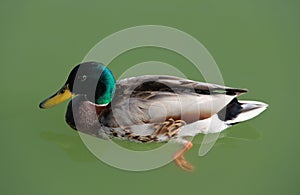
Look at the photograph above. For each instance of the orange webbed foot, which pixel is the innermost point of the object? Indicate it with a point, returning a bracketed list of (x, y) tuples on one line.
[(180, 160)]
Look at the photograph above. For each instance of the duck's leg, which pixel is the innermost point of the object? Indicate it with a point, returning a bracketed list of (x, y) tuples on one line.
[(170, 128), (180, 160)]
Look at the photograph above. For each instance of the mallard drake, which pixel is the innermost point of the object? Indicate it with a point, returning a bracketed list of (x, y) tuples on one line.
[(150, 108)]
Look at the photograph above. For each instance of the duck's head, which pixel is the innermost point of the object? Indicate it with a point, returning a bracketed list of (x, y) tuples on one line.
[(90, 79)]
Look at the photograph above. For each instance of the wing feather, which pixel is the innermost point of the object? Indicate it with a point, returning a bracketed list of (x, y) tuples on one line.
[(155, 98)]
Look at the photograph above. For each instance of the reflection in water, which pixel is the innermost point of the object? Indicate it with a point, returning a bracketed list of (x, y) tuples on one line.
[(241, 132), (73, 146)]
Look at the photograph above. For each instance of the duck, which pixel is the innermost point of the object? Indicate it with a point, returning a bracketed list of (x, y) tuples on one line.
[(149, 108)]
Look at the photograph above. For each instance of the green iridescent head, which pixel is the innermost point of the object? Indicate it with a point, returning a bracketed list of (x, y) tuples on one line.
[(90, 79)]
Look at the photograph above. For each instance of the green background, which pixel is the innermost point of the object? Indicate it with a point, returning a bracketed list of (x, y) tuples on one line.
[(255, 44)]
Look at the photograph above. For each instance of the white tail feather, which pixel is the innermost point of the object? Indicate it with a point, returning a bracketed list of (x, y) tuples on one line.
[(250, 110)]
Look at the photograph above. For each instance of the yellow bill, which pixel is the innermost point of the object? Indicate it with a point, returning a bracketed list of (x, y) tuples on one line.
[(62, 95)]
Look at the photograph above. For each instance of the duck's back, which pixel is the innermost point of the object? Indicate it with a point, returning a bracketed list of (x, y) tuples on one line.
[(156, 98)]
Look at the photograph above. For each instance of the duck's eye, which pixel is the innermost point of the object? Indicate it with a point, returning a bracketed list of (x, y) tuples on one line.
[(82, 78)]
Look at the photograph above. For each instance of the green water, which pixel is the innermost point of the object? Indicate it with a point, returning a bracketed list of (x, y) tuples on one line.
[(255, 44)]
